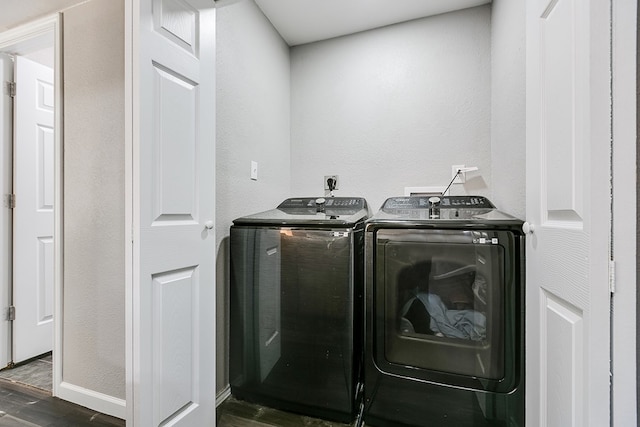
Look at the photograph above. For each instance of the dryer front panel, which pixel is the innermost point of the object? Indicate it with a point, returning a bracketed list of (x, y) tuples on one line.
[(444, 306)]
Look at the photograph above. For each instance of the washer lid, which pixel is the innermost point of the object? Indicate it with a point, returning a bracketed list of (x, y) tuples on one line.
[(312, 211)]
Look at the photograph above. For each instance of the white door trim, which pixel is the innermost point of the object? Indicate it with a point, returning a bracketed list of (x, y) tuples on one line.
[(6, 216), (131, 122), (624, 17), (23, 39)]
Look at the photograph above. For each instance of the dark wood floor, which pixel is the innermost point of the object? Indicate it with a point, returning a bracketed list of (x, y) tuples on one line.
[(24, 406), (236, 413), (25, 401), (37, 372)]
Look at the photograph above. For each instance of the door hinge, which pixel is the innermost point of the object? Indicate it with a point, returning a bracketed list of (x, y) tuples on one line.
[(612, 276), (11, 89), (10, 201), (11, 313)]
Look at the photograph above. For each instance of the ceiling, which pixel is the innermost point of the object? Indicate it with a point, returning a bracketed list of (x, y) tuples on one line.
[(305, 21), (17, 12), (297, 21)]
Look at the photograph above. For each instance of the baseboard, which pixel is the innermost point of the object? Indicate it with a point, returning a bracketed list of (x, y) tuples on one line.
[(223, 395), (93, 400)]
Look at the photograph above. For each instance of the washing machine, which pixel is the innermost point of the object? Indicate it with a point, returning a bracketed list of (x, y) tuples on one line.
[(444, 297), (296, 306)]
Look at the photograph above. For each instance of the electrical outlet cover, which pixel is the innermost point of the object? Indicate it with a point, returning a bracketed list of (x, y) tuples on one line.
[(462, 177), (326, 185)]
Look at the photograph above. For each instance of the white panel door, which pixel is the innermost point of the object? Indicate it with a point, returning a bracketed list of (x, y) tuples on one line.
[(33, 213), (568, 206), (174, 195), (6, 187)]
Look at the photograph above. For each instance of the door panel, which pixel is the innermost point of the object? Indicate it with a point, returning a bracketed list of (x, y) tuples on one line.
[(33, 214), (558, 108), (568, 203), (174, 295), (174, 252), (562, 344), (175, 172)]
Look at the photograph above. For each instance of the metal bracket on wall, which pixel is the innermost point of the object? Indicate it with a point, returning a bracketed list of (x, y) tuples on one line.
[(10, 201), (11, 89), (11, 313)]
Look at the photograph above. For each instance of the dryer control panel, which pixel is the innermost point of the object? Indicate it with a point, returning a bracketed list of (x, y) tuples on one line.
[(444, 202)]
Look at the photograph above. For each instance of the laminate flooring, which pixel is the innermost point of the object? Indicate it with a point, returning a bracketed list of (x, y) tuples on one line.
[(25, 406), (26, 401), (36, 373), (237, 413)]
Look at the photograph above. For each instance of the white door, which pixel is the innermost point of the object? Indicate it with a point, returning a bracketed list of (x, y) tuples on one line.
[(6, 187), (568, 204), (174, 195), (33, 213)]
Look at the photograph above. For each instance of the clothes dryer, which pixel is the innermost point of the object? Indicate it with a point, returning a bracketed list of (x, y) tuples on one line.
[(444, 341), (296, 308)]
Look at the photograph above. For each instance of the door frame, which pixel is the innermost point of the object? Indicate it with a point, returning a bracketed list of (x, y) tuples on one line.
[(624, 174), (26, 38)]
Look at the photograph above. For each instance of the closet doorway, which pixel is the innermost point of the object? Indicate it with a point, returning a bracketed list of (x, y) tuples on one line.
[(31, 189)]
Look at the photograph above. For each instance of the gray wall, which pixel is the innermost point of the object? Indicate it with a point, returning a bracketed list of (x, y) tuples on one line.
[(93, 190), (384, 109), (394, 107), (508, 134), (252, 124)]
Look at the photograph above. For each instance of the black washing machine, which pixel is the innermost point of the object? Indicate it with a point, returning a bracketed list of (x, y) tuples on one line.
[(296, 308), (444, 296)]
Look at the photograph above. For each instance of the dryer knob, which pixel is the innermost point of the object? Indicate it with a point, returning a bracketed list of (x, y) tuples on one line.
[(320, 201), (528, 228)]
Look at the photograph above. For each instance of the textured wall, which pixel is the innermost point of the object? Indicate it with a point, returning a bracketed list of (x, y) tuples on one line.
[(384, 109), (394, 107), (252, 124), (508, 134), (94, 282)]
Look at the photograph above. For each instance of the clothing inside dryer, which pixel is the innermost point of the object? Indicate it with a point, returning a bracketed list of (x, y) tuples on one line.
[(452, 304), (444, 304)]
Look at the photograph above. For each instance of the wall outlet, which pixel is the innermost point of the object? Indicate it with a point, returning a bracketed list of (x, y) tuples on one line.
[(335, 180), (462, 177)]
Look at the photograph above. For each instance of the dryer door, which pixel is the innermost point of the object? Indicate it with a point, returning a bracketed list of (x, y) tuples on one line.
[(445, 306)]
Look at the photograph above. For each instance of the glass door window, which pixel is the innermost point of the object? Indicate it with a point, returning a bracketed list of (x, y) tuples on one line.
[(440, 302)]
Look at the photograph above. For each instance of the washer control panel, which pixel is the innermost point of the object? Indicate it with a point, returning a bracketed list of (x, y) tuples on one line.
[(333, 206)]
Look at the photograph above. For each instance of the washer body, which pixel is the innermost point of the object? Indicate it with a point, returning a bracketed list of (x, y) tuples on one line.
[(297, 282), (444, 340)]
